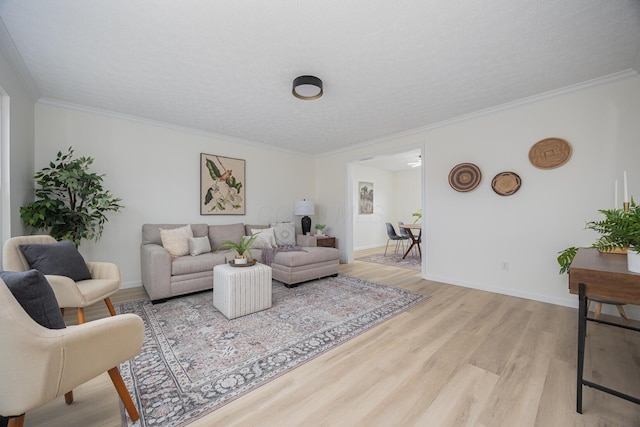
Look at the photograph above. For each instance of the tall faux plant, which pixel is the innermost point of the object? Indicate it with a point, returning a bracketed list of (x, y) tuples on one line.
[(71, 202)]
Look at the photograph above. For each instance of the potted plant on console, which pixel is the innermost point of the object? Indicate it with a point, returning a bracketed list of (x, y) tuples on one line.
[(319, 228), (243, 247), (619, 233)]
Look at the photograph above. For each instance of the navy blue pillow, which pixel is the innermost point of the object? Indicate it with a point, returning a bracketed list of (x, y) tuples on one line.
[(36, 297), (59, 258)]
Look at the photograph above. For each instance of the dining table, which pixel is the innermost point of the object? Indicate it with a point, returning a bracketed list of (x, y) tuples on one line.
[(415, 240)]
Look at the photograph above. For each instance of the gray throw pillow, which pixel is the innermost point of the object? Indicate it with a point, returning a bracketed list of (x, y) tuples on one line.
[(60, 259), (36, 297), (199, 245)]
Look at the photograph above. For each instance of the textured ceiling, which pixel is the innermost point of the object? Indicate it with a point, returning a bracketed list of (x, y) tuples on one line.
[(387, 67)]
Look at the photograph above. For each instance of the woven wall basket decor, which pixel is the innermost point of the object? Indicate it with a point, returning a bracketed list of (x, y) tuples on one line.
[(550, 153), (506, 183), (464, 177)]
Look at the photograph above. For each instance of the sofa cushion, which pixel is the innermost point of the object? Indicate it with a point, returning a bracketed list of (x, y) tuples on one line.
[(311, 255), (151, 232), (285, 233), (199, 245), (265, 240), (200, 230), (176, 240), (249, 227), (32, 290), (59, 258), (220, 233), (196, 264)]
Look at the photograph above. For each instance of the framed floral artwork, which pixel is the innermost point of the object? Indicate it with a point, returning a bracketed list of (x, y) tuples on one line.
[(365, 198), (222, 185)]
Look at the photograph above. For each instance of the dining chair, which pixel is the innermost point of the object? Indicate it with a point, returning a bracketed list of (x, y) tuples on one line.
[(392, 235), (405, 234)]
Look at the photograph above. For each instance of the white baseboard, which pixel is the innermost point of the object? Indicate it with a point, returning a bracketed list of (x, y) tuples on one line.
[(632, 312), (128, 285)]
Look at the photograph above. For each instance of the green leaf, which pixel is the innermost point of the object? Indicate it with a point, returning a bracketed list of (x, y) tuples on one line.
[(566, 258), (208, 196), (213, 170)]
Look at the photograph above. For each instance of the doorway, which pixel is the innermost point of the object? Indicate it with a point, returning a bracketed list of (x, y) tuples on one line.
[(395, 182)]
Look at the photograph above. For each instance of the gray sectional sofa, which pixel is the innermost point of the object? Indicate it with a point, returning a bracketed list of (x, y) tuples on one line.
[(165, 276)]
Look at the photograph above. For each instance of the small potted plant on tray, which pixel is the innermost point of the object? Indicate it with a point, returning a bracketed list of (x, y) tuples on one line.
[(243, 247), (619, 233), (319, 228)]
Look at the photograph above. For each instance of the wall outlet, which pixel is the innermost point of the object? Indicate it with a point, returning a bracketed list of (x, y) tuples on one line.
[(504, 266)]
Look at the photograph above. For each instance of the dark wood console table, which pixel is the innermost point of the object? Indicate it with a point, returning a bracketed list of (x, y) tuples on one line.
[(605, 277)]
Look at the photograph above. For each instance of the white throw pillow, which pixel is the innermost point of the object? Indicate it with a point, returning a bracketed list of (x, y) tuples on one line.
[(175, 240), (199, 245), (285, 233), (266, 238)]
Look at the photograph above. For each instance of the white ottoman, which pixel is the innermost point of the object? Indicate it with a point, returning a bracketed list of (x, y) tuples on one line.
[(238, 291)]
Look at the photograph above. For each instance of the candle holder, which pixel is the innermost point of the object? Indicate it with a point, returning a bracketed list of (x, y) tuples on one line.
[(625, 206)]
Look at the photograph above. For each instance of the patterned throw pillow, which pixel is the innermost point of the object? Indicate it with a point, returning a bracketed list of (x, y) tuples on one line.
[(266, 238), (285, 233), (176, 240)]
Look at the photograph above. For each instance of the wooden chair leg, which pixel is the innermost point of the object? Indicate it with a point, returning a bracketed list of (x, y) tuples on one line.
[(80, 315), (16, 422), (112, 310), (622, 313), (68, 397), (121, 388)]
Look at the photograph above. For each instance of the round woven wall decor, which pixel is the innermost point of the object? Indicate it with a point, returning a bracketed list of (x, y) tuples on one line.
[(550, 153), (506, 183), (464, 177)]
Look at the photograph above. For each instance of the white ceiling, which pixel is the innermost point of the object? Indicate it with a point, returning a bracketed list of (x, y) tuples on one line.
[(226, 67)]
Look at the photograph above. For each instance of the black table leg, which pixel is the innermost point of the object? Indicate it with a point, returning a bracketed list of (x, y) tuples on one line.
[(582, 332)]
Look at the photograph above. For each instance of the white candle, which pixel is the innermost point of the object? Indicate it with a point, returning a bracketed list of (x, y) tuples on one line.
[(626, 190), (615, 195)]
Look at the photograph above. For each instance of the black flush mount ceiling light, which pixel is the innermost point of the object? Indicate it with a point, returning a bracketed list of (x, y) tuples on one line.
[(307, 88)]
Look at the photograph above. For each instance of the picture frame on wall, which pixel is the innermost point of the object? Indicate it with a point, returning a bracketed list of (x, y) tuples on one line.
[(222, 185), (365, 198)]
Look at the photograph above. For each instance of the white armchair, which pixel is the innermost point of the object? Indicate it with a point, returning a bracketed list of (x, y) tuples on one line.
[(104, 282), (40, 364)]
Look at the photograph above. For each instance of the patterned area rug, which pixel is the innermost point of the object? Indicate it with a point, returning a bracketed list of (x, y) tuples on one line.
[(412, 262), (195, 360)]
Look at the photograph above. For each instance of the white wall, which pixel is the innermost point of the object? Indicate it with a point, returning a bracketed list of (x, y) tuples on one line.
[(408, 189), (369, 229), (20, 150), (396, 196), (155, 170), (469, 235)]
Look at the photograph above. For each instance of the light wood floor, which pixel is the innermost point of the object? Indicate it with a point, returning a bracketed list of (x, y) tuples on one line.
[(461, 358)]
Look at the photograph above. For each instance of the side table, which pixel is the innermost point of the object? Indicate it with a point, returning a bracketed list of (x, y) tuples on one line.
[(325, 241), (238, 291)]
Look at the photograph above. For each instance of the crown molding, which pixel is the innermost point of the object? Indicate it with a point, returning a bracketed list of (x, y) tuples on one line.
[(150, 122), (622, 75)]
